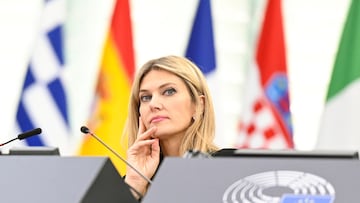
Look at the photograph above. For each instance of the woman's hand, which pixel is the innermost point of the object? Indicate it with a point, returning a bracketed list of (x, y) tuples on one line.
[(144, 155)]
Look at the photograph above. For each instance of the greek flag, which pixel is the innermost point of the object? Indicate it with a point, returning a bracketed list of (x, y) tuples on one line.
[(43, 100)]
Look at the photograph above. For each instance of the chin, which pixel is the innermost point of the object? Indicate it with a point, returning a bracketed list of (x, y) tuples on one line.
[(161, 134)]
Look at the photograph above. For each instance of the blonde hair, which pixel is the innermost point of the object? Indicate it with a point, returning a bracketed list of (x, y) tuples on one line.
[(200, 134)]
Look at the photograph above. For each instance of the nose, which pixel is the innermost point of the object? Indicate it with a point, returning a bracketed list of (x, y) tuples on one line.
[(155, 103)]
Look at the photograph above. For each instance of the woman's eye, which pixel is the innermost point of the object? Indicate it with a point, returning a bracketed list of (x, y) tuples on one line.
[(145, 98), (169, 91)]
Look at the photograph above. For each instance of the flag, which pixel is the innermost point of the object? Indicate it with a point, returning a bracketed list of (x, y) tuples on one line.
[(43, 99), (201, 49), (266, 118), (340, 126), (113, 89)]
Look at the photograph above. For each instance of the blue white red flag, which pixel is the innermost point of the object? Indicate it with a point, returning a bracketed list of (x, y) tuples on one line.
[(201, 49)]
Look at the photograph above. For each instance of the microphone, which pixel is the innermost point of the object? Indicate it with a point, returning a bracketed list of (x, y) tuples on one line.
[(196, 154), (24, 135), (86, 130)]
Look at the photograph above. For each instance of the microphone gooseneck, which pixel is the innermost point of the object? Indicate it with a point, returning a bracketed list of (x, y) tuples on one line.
[(24, 135), (86, 130)]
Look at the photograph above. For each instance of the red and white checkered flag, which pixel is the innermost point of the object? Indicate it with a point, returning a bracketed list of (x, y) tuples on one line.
[(266, 118)]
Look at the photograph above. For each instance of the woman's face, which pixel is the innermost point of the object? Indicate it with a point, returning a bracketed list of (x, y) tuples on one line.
[(165, 102)]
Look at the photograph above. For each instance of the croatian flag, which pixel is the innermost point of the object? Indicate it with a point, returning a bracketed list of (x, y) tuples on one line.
[(266, 119), (43, 101)]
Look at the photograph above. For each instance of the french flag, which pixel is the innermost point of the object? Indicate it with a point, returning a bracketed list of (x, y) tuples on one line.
[(201, 48)]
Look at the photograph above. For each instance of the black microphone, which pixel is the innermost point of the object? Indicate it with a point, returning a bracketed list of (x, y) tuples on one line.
[(196, 154), (86, 130), (24, 135)]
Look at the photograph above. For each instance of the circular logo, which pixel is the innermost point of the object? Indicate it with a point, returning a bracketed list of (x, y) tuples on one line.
[(282, 186)]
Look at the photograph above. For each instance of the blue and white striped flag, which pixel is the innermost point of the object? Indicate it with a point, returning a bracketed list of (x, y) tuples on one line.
[(43, 101)]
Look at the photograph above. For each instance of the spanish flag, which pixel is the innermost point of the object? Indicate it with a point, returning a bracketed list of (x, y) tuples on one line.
[(113, 89)]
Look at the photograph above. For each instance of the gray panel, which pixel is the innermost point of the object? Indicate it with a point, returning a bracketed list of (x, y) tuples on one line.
[(60, 179), (207, 180)]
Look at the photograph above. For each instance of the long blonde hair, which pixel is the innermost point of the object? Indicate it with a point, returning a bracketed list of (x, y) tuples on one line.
[(200, 134)]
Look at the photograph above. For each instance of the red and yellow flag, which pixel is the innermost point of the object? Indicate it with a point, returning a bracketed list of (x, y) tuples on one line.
[(113, 89)]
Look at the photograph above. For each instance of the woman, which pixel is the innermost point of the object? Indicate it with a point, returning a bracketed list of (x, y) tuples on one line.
[(170, 113)]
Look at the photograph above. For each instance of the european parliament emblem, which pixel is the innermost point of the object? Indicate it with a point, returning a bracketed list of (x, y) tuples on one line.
[(282, 186)]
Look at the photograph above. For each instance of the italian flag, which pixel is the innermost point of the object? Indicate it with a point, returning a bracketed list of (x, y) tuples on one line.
[(340, 127)]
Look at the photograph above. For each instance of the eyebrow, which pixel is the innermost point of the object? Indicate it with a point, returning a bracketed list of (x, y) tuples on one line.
[(160, 87)]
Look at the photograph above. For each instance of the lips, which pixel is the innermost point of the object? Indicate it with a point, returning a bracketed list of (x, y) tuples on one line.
[(157, 119)]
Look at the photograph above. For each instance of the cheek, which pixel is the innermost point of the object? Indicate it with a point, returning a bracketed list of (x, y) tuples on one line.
[(185, 108), (142, 111), (143, 114)]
